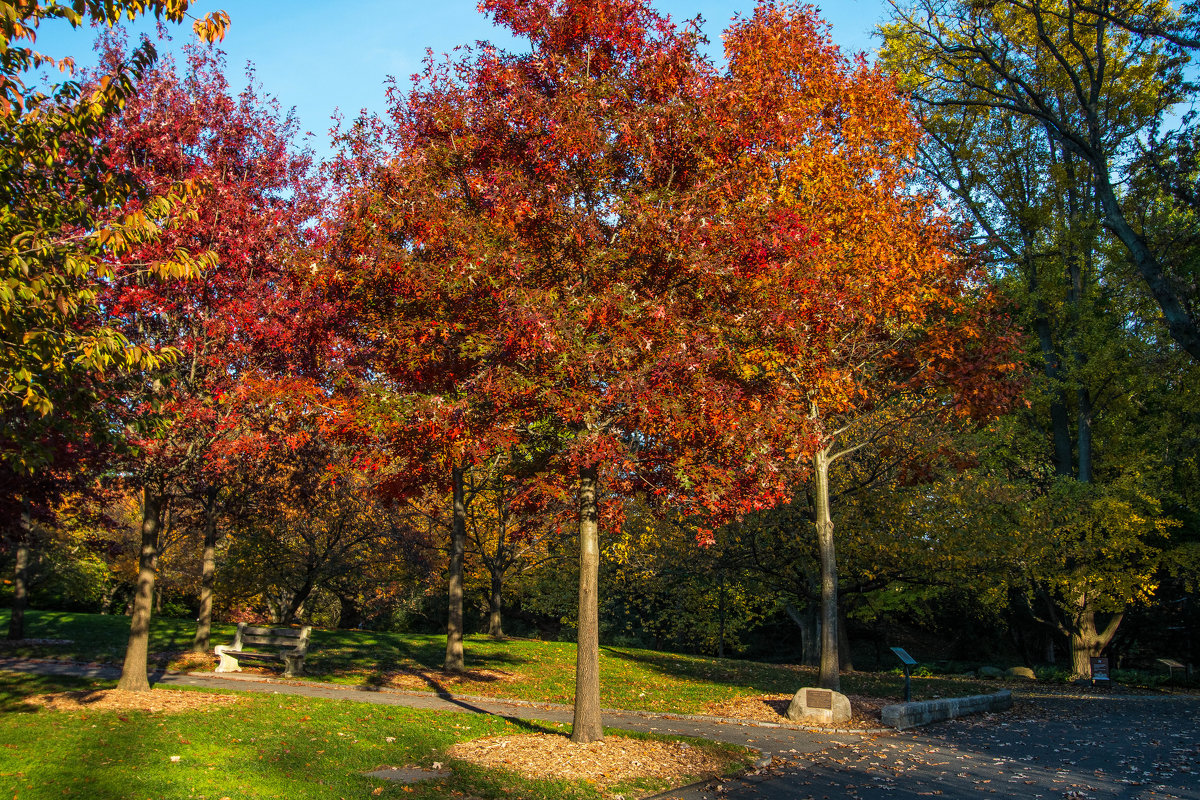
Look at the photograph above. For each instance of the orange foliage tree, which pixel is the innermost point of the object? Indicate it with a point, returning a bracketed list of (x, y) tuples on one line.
[(886, 319)]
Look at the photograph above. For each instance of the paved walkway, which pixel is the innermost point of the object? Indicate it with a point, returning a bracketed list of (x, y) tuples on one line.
[(770, 739), (1051, 747)]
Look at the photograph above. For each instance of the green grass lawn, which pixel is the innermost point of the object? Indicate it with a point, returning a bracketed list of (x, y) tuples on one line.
[(263, 746), (520, 668)]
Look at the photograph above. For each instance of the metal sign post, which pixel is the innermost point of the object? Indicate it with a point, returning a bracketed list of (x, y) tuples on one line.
[(909, 662), (1099, 669)]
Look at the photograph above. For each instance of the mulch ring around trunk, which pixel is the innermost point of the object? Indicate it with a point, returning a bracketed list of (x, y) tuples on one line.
[(162, 701), (612, 760)]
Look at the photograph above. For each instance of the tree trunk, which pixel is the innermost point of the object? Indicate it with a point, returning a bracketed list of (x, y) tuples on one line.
[(721, 619), (809, 623), (295, 606), (810, 635), (845, 660), (458, 542), (350, 616), (1087, 642), (16, 622), (133, 673), (1180, 323), (829, 675), (586, 726), (208, 573), (495, 628)]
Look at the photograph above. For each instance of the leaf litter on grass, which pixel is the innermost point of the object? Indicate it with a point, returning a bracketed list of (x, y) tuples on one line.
[(166, 701), (608, 762)]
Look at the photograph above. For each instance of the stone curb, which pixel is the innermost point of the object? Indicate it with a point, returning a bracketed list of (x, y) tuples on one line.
[(909, 715)]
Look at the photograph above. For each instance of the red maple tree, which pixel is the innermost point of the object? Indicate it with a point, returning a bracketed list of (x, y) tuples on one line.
[(230, 329), (538, 258)]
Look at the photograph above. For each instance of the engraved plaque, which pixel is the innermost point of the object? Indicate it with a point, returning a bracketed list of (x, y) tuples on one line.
[(822, 699)]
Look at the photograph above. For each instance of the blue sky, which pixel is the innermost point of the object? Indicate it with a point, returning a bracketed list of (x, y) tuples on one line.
[(318, 56)]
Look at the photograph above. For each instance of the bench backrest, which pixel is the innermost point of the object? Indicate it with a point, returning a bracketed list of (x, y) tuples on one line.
[(290, 638)]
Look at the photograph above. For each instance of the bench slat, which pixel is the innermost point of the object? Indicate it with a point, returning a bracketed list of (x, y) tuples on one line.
[(253, 655), (272, 641), (295, 633)]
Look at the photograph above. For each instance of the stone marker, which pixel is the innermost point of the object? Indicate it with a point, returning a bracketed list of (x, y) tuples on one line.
[(1024, 673), (819, 705), (991, 672)]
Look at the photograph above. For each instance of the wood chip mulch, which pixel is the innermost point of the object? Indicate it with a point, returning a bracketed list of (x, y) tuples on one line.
[(607, 762), (865, 711), (163, 701), (436, 679)]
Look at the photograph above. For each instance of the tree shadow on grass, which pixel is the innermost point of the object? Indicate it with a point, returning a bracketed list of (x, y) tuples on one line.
[(414, 663), (766, 678), (15, 689)]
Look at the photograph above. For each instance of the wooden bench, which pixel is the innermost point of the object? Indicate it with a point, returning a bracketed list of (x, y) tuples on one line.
[(288, 645)]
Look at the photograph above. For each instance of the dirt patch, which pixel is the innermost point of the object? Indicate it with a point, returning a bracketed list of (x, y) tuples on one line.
[(437, 680), (865, 711), (162, 701), (607, 762), (187, 661)]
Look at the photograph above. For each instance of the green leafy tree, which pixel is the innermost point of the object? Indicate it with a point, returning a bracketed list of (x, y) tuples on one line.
[(997, 88), (1093, 76)]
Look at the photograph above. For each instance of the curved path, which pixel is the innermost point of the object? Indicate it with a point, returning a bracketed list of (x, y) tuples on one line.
[(1089, 746), (770, 739)]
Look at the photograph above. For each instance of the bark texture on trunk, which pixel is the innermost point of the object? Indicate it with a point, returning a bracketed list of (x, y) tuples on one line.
[(829, 677), (845, 660), (294, 609), (350, 614), (586, 726), (208, 573), (458, 542), (495, 623), (809, 623), (133, 672), (1179, 322), (16, 622), (1087, 642)]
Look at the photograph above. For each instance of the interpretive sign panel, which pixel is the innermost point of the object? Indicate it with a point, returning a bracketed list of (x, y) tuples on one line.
[(904, 657)]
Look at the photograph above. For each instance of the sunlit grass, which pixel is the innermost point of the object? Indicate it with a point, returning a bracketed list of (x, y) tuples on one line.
[(264, 746), (519, 668)]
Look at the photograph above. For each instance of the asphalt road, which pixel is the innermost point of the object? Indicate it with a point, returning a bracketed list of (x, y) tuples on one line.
[(1056, 748)]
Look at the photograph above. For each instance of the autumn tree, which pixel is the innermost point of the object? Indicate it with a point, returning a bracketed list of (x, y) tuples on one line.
[(884, 319), (314, 531), (55, 349), (56, 231), (508, 524), (230, 329), (547, 251)]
